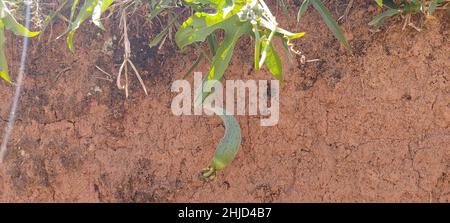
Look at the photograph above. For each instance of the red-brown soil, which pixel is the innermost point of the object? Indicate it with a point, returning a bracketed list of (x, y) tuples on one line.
[(364, 127)]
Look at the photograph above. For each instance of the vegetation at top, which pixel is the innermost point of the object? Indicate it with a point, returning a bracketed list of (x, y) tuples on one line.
[(206, 19)]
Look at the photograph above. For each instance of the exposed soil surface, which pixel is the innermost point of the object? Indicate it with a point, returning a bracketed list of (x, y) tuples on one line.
[(369, 126)]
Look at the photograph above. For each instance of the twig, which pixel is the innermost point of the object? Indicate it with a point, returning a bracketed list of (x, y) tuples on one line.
[(104, 72)]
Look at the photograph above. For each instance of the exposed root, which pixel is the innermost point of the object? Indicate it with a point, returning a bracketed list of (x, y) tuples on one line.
[(126, 59)]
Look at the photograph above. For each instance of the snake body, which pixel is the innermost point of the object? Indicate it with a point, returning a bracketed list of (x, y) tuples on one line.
[(228, 146)]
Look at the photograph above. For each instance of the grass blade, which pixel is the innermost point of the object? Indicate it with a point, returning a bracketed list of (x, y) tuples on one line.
[(331, 22), (379, 19), (302, 9)]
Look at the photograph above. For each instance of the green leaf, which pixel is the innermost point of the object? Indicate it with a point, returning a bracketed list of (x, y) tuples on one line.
[(99, 9), (379, 19), (85, 12), (302, 9), (4, 76), (222, 58), (3, 61), (390, 4), (234, 29), (273, 62), (8, 21), (379, 3), (413, 6), (266, 48), (331, 23), (200, 25), (433, 5), (11, 23), (295, 35), (73, 9)]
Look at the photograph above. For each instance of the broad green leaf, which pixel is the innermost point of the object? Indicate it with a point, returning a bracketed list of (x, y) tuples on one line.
[(99, 9), (302, 9), (199, 26), (378, 20), (331, 23), (234, 29)]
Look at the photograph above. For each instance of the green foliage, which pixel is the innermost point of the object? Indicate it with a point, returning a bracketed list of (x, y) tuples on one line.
[(327, 18), (406, 7), (157, 8), (236, 18), (90, 8), (379, 19), (8, 21)]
